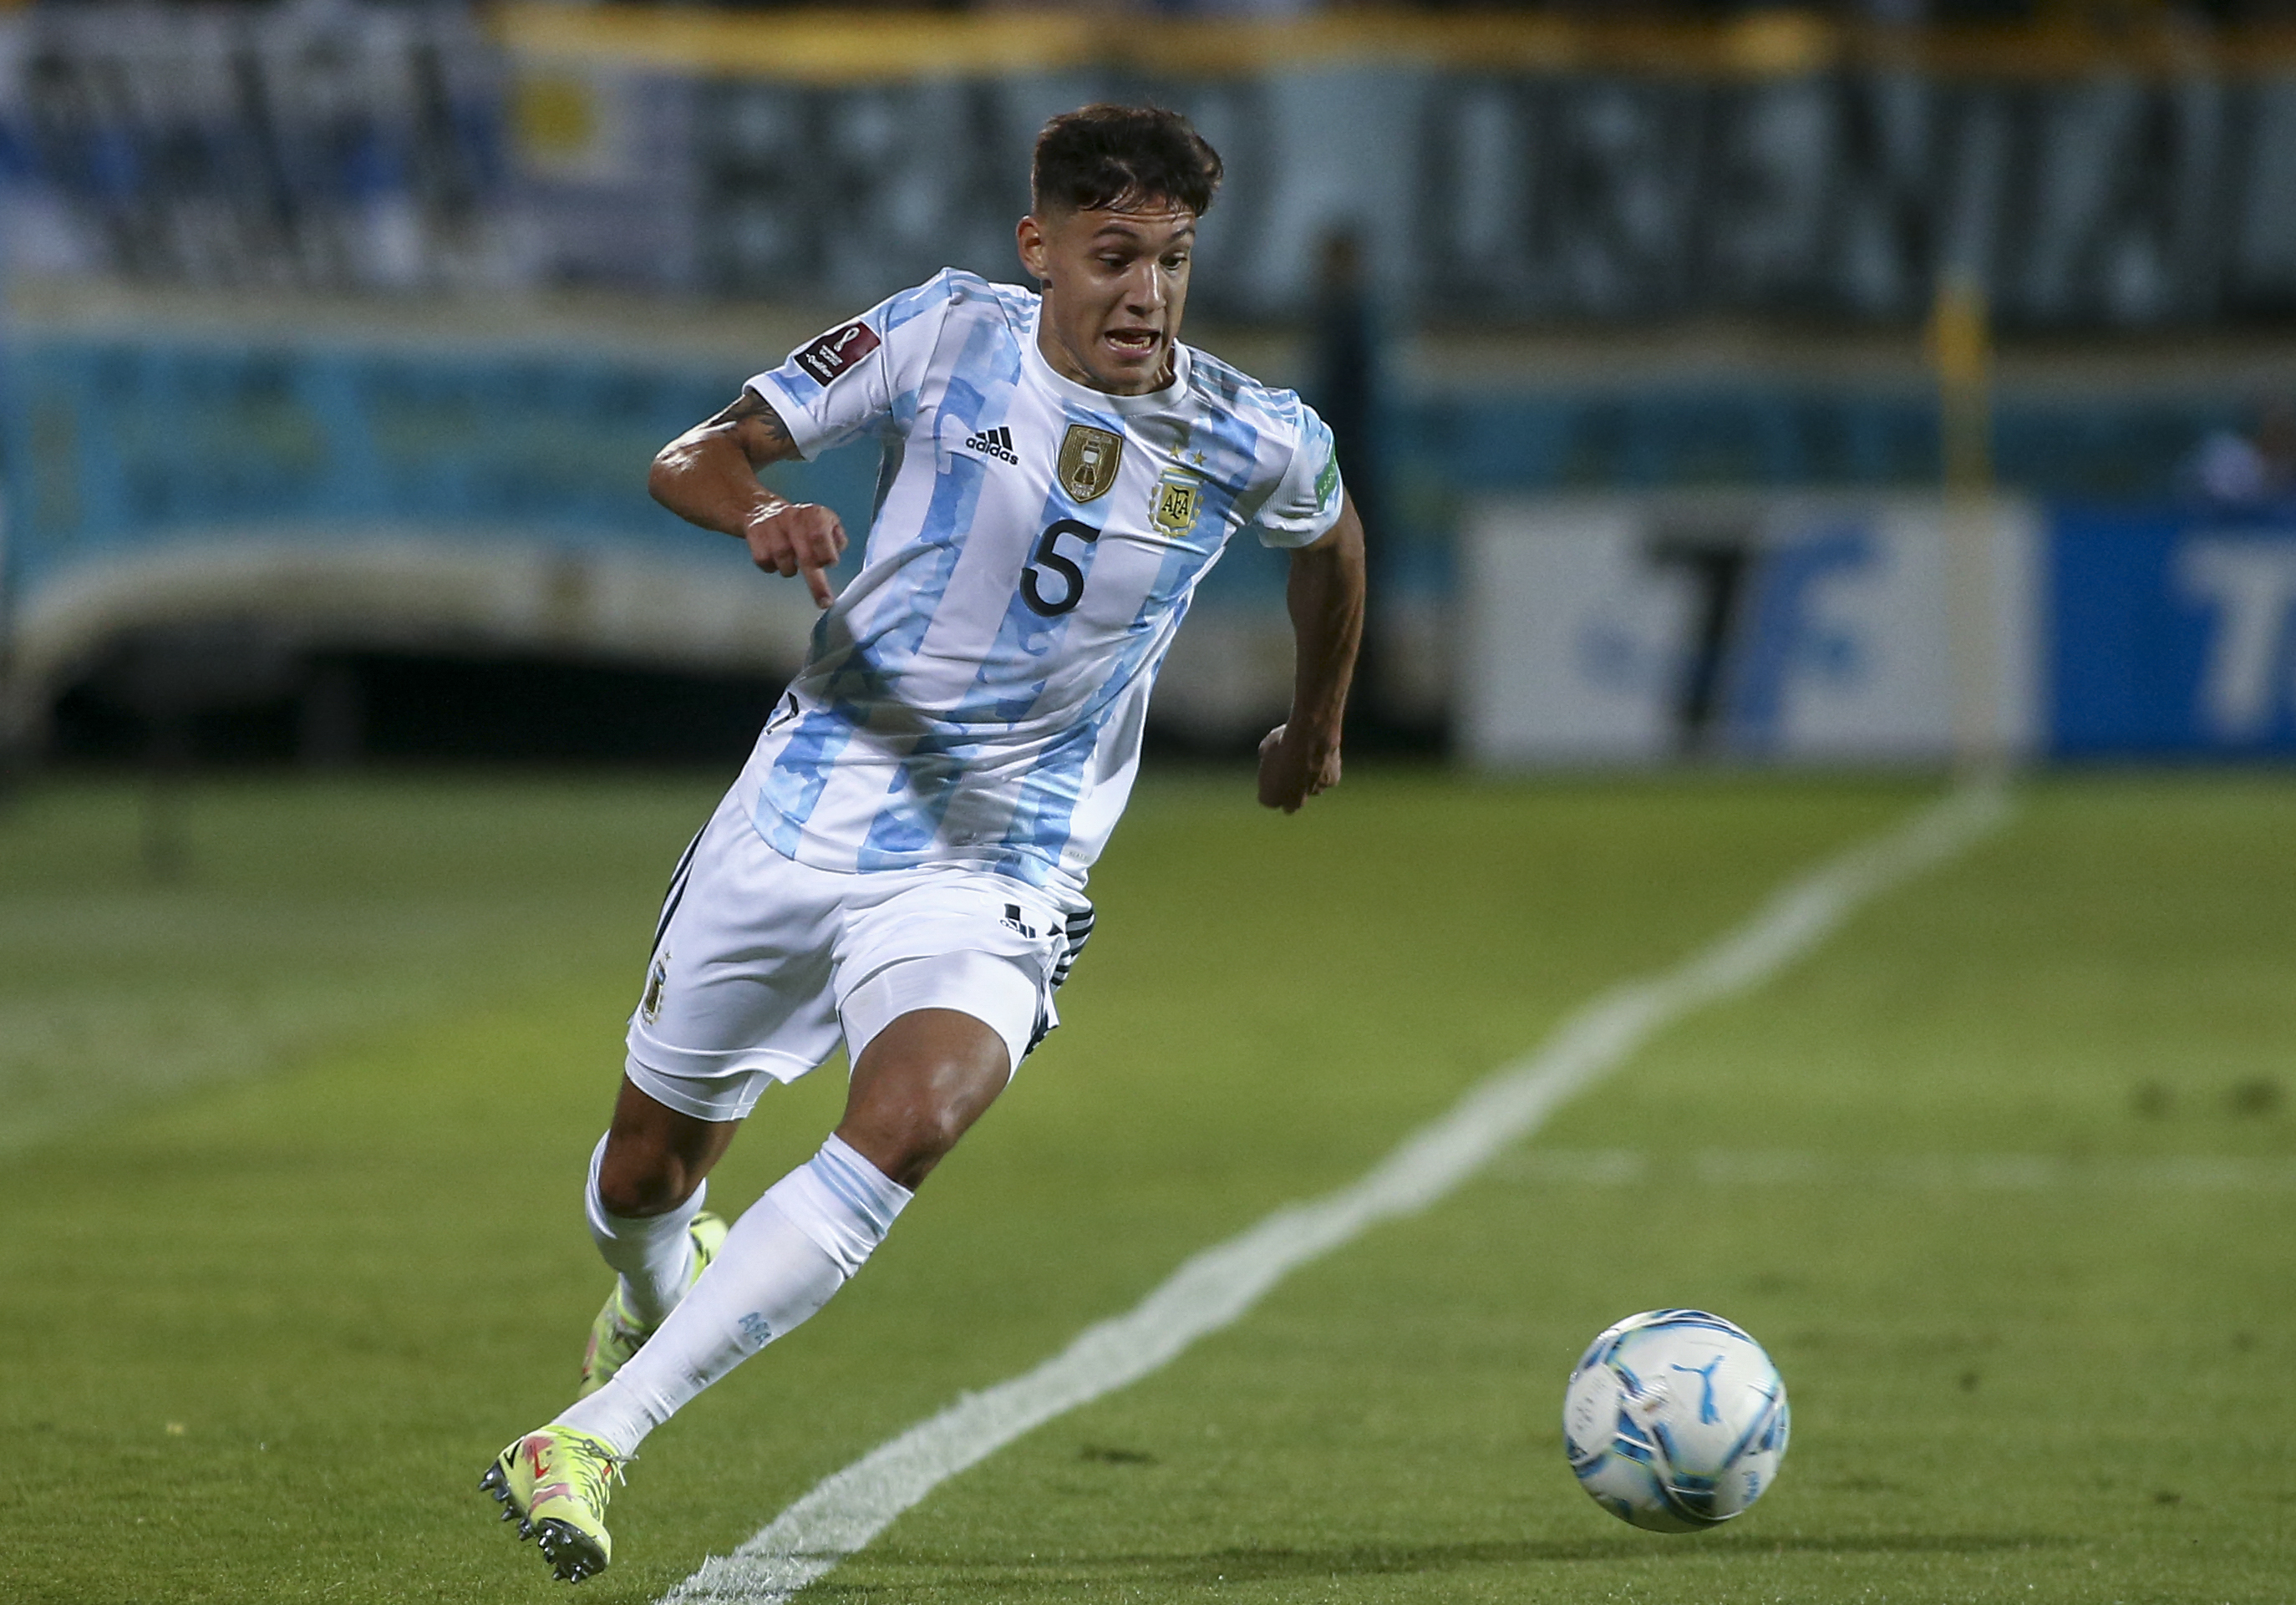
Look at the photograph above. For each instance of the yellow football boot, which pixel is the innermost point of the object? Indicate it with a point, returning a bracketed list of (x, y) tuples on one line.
[(555, 1483)]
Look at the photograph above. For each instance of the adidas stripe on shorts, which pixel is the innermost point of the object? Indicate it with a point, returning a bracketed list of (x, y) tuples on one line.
[(762, 966)]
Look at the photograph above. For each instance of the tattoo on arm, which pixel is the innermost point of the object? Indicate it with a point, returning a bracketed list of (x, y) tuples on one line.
[(757, 427)]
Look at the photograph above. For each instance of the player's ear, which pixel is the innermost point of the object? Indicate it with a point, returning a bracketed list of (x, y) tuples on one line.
[(1030, 235)]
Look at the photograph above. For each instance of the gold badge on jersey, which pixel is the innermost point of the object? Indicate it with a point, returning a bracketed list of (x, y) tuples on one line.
[(1089, 459), (1172, 506)]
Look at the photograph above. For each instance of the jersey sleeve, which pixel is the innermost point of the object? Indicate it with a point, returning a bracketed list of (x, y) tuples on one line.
[(1305, 501), (860, 377)]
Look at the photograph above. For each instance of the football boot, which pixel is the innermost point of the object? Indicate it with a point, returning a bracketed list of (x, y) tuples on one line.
[(554, 1482)]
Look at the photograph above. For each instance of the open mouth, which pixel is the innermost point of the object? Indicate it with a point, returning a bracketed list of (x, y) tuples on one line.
[(1134, 342)]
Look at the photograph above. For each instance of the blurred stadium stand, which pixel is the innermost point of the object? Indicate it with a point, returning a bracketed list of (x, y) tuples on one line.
[(345, 332)]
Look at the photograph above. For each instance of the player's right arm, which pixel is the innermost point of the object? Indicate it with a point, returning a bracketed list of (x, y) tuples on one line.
[(708, 476)]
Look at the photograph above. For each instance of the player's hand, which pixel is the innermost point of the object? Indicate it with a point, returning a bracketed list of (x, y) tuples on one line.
[(790, 538), (1292, 768)]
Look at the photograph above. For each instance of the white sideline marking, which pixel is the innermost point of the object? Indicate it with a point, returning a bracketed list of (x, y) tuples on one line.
[(848, 1507)]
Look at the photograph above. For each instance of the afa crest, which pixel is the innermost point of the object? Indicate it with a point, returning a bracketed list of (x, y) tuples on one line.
[(1172, 506), (650, 1007), (1089, 459)]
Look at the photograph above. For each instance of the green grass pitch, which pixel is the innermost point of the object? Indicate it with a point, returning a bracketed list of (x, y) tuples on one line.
[(290, 1152)]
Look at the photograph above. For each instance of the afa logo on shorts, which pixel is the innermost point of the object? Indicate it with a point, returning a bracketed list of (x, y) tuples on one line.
[(650, 1007)]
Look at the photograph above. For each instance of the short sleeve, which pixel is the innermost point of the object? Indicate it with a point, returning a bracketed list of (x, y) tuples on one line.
[(859, 377), (1306, 502)]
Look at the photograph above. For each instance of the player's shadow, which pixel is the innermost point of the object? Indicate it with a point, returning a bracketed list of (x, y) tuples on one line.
[(1059, 1575)]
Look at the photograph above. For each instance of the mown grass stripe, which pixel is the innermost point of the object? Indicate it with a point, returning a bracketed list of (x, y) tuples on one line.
[(1908, 1172), (840, 1515)]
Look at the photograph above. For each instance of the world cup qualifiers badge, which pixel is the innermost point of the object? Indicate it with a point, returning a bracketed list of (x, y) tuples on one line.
[(838, 351), (1089, 459)]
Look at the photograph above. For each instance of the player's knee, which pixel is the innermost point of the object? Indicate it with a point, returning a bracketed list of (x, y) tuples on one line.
[(635, 1180), (906, 1143), (905, 1136), (934, 1129)]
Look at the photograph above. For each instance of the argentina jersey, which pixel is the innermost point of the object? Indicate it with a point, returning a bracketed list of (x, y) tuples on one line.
[(977, 693)]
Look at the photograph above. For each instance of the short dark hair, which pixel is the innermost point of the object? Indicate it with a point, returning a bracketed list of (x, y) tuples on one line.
[(1119, 156)]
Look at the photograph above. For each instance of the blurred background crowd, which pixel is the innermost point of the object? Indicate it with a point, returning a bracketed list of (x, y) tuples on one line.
[(1890, 382), (2103, 13)]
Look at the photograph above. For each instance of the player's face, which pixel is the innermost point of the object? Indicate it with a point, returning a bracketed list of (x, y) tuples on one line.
[(1115, 281)]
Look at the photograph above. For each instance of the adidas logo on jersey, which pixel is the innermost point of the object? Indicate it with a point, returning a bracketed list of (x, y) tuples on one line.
[(996, 442)]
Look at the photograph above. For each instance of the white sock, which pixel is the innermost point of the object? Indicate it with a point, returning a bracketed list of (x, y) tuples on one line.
[(784, 1258), (845, 1204), (655, 1253)]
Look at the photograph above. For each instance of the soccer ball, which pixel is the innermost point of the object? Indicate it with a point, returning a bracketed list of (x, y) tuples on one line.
[(1675, 1421)]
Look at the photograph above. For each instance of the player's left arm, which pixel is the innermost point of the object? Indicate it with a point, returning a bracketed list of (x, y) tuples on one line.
[(1300, 756)]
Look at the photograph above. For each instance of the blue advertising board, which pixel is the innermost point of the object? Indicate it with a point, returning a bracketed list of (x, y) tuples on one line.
[(2172, 632)]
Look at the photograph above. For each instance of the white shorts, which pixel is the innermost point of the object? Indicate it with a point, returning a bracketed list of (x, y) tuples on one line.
[(761, 964)]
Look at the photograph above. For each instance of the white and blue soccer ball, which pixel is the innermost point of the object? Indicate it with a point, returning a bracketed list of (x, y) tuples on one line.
[(1675, 1421)]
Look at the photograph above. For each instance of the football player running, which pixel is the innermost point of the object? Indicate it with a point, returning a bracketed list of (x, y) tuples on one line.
[(901, 864)]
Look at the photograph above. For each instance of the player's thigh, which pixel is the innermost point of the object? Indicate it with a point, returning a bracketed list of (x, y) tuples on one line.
[(993, 1004), (978, 943), (738, 992), (918, 1085)]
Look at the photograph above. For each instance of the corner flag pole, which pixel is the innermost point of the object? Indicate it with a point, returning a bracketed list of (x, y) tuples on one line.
[(1961, 352), (15, 473), (1960, 349)]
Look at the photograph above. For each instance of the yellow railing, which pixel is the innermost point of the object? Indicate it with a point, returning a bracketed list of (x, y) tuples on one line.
[(830, 47)]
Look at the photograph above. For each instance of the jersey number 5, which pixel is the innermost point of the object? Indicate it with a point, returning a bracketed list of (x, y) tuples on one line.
[(1048, 556)]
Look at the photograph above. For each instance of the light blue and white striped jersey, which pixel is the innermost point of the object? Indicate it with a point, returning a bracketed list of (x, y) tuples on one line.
[(977, 694)]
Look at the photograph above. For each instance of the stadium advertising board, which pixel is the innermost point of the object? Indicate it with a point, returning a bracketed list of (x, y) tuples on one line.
[(2172, 632), (1637, 630)]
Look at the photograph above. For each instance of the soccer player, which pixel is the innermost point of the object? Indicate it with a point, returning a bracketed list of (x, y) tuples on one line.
[(902, 861)]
